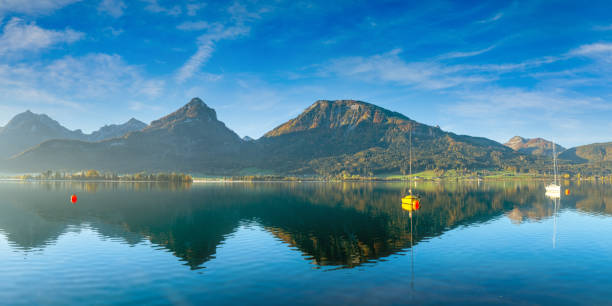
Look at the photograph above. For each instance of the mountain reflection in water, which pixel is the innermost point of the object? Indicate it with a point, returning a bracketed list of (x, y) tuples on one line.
[(332, 224)]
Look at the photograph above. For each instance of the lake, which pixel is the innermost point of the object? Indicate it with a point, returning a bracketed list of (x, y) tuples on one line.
[(304, 243)]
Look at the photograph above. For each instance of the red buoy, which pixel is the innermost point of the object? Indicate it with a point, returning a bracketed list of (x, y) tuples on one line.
[(73, 199), (417, 205)]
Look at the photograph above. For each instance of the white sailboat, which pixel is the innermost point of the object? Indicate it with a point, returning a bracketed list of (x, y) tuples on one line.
[(553, 190)]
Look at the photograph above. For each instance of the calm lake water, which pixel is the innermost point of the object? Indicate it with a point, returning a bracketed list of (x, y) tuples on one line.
[(304, 243)]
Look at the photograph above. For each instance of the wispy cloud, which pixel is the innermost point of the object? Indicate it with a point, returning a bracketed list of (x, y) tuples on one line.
[(154, 7), (493, 18), (239, 14), (99, 75), (389, 67), (32, 7), (466, 54), (193, 8), (94, 77), (428, 74), (18, 36), (84, 91), (594, 49), (193, 25), (113, 8), (206, 44), (494, 101), (113, 31)]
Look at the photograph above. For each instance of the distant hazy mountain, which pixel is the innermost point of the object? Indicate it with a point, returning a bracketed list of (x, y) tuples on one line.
[(534, 146), (28, 129), (247, 138), (597, 152), (189, 139), (358, 137), (116, 130)]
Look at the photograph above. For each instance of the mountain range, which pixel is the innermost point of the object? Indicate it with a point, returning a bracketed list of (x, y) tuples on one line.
[(27, 129), (355, 137), (329, 138)]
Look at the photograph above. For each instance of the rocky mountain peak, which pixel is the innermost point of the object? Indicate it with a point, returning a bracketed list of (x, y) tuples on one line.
[(515, 142), (327, 114), (31, 122), (28, 129), (534, 146), (194, 111)]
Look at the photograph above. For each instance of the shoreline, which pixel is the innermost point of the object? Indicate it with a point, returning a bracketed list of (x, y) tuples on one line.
[(372, 180)]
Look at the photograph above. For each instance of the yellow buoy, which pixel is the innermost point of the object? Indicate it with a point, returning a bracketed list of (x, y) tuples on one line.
[(410, 203)]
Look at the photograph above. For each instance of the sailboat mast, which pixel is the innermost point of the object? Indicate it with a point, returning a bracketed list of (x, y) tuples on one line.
[(410, 182), (555, 161)]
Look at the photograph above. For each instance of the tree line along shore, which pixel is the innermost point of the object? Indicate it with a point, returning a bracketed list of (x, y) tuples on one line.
[(429, 175), (108, 176)]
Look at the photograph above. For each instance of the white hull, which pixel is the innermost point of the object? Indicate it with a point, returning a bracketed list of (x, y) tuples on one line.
[(553, 191)]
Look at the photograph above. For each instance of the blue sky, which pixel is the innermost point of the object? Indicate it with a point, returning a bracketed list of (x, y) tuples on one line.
[(494, 69)]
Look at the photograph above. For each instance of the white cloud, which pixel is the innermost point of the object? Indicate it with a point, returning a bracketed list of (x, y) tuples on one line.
[(205, 50), (600, 53), (466, 54), (427, 74), (498, 101), (193, 8), (240, 15), (92, 78), (206, 44), (112, 31), (112, 7), (389, 67), (99, 75), (32, 7), (193, 25), (154, 7), (86, 91), (495, 17), (18, 36), (594, 49)]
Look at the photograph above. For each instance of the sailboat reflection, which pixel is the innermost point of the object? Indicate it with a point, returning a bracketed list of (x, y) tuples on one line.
[(557, 203), (556, 197), (411, 203)]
